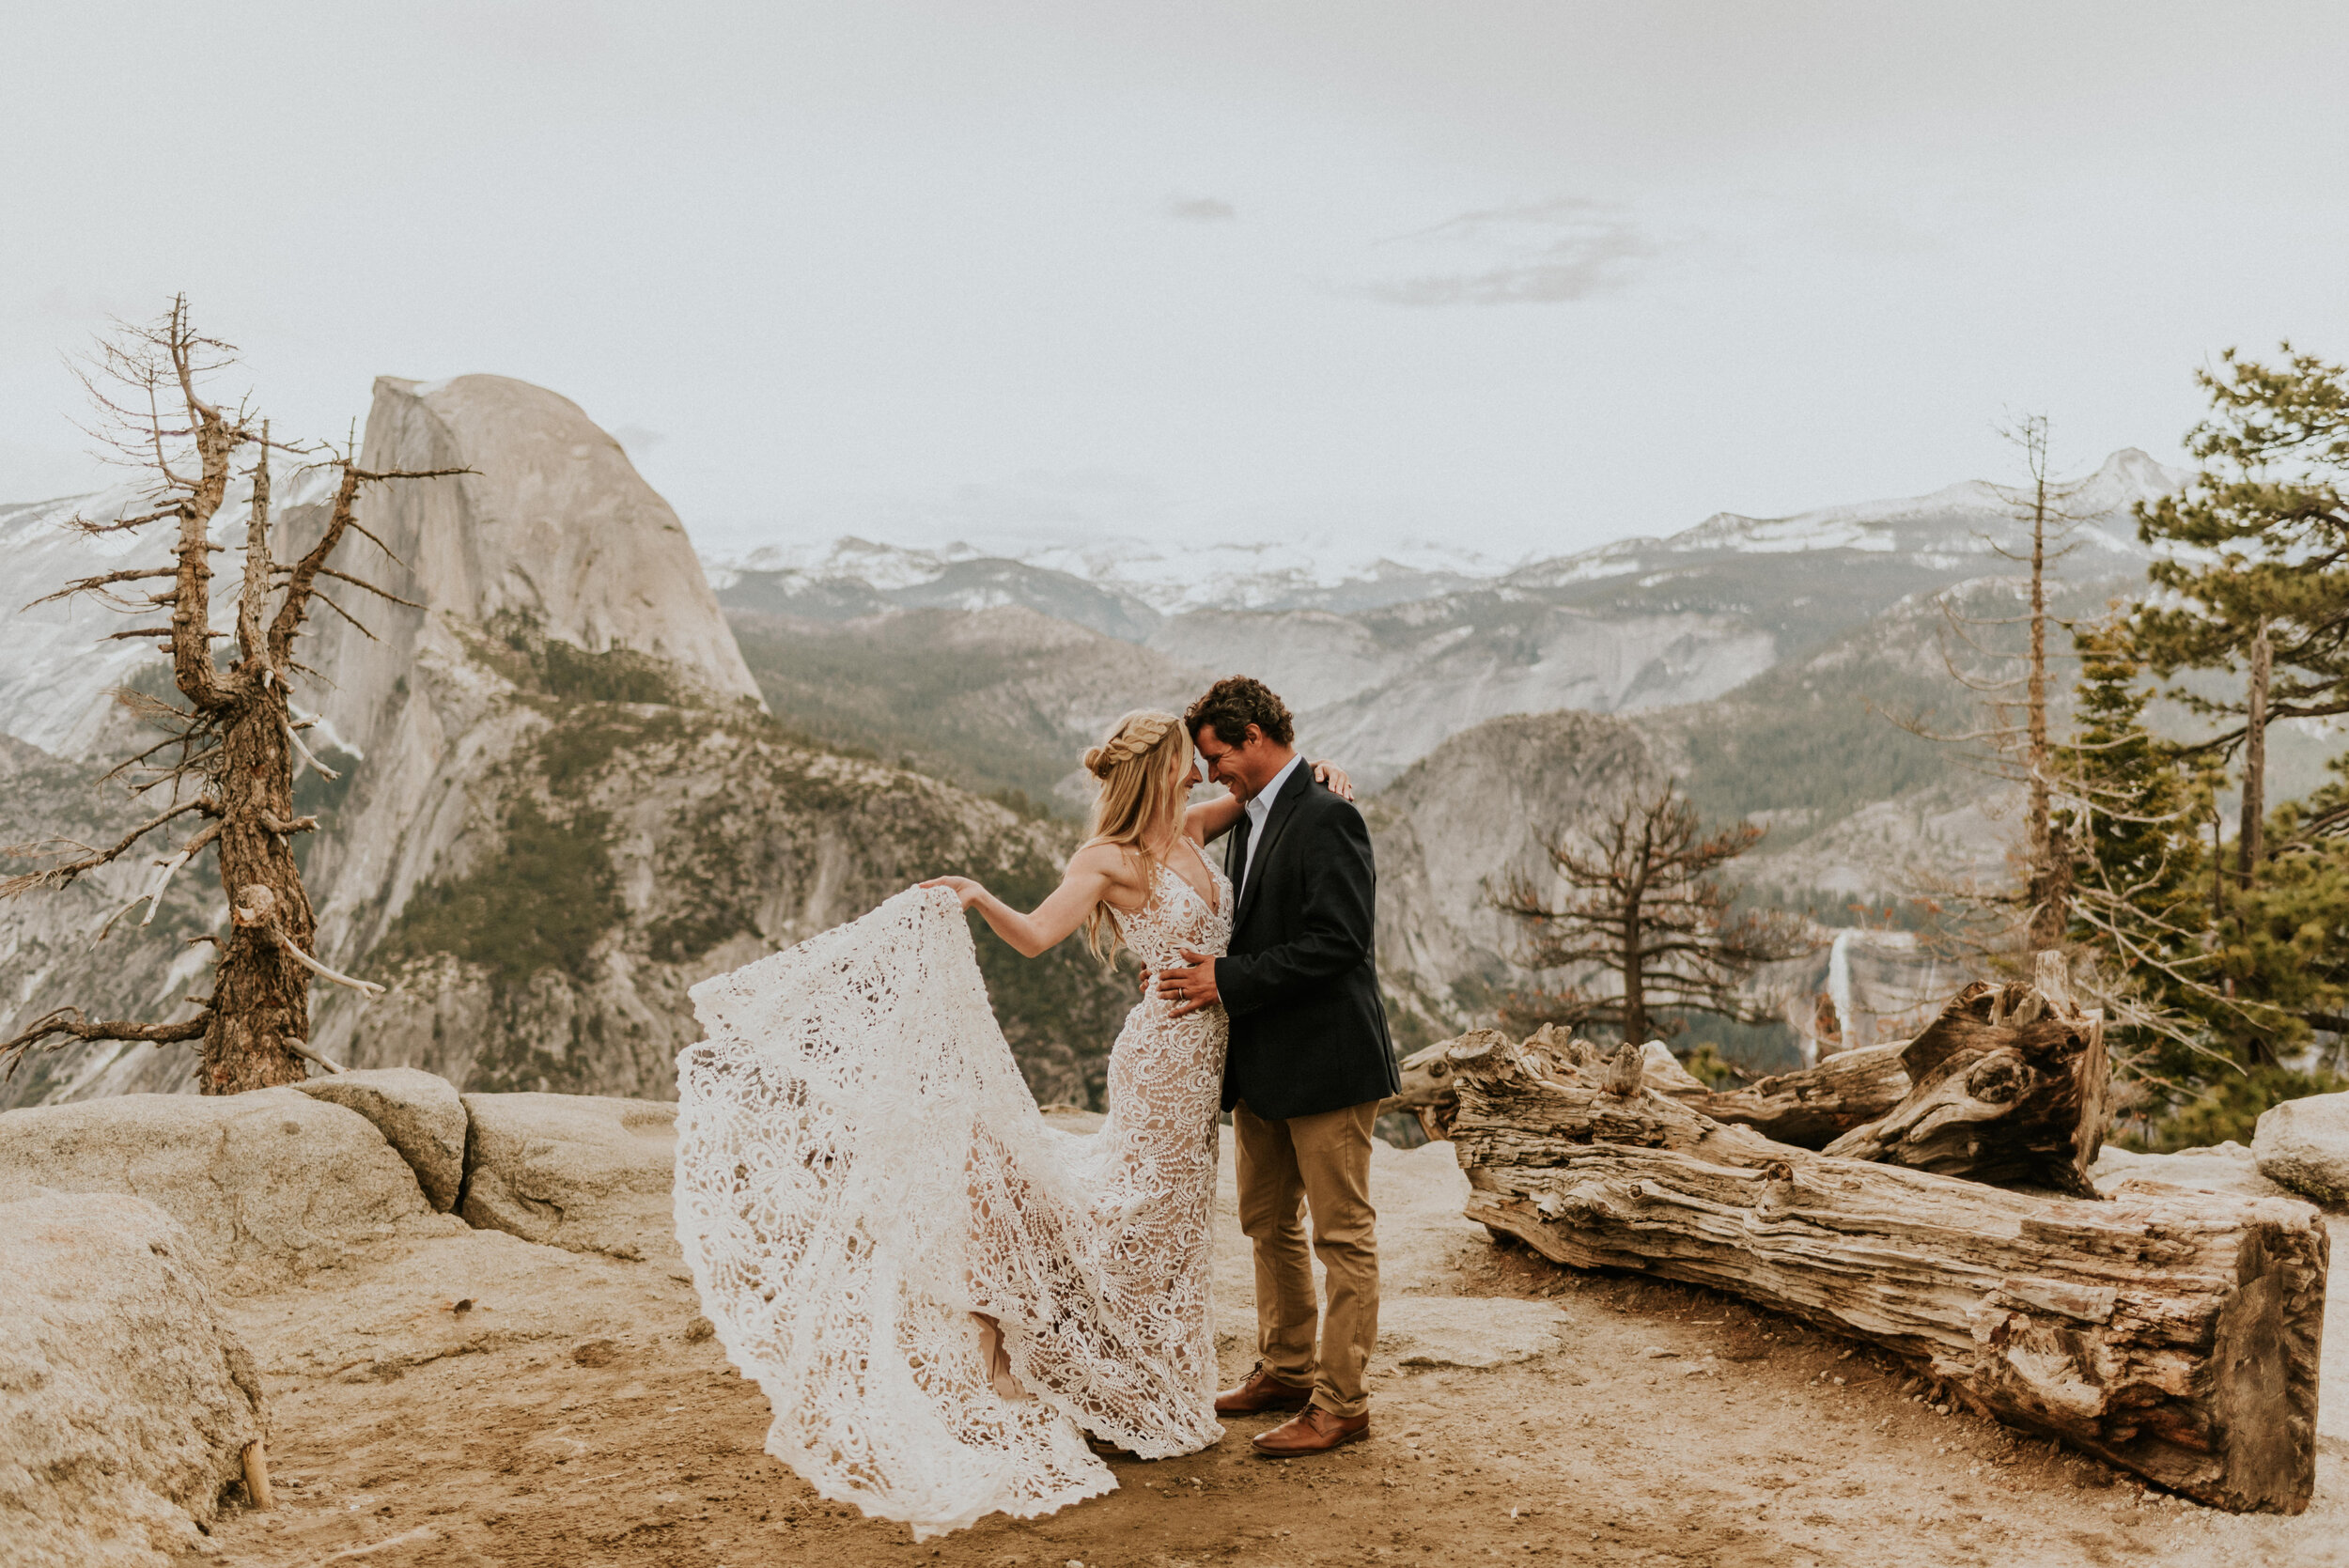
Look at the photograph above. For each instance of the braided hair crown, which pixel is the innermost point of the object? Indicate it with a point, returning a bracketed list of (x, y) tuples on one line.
[(1138, 736)]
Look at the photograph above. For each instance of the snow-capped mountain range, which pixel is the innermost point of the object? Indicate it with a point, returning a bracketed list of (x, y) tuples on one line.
[(1143, 580), (1668, 619)]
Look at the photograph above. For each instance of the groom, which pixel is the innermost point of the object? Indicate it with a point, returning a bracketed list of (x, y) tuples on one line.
[(1309, 1063)]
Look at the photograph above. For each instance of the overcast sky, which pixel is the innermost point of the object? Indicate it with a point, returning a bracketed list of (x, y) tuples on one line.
[(1517, 277)]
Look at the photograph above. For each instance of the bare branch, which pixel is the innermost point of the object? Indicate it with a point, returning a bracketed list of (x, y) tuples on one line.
[(93, 585), (304, 752), (166, 869), (163, 632), (365, 531), (69, 1023), (117, 525), (303, 1049), (301, 583), (358, 583), (365, 988), (59, 876), (320, 595)]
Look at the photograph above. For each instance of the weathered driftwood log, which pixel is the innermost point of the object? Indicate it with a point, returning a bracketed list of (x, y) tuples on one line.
[(1813, 1108), (1808, 1109), (2009, 1086), (1428, 1090), (2174, 1336)]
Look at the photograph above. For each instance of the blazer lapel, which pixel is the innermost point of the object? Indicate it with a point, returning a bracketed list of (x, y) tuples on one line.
[(1283, 807)]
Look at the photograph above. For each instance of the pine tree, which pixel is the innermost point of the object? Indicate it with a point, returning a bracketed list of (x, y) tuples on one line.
[(2237, 951), (2133, 809), (2265, 587)]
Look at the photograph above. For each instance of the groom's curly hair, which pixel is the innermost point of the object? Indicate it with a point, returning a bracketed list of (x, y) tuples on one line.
[(1236, 702)]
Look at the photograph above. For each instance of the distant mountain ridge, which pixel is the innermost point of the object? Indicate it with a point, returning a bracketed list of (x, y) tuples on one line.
[(1124, 586), (1383, 660)]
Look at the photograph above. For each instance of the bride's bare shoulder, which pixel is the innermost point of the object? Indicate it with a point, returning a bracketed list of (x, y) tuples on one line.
[(1117, 862), (1119, 868), (1097, 856)]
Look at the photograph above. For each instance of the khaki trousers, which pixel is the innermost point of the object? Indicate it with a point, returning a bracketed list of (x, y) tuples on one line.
[(1323, 1162)]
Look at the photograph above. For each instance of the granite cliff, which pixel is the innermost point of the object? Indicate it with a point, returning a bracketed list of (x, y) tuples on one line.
[(561, 801)]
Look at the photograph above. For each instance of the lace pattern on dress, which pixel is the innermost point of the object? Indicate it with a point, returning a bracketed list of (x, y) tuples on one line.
[(861, 1167)]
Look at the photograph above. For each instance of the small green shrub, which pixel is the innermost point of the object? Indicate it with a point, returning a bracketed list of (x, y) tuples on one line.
[(613, 675), (678, 938), (1706, 1063)]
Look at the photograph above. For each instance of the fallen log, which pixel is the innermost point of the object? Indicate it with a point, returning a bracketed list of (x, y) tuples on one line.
[(2010, 1085), (1813, 1108), (2175, 1336), (1808, 1109)]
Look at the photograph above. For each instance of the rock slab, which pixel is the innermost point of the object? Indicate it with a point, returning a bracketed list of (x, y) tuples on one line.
[(589, 1172), (271, 1185), (2305, 1145), (2227, 1168), (125, 1402), (419, 1115)]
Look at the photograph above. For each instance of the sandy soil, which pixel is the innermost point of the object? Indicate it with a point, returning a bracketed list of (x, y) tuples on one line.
[(575, 1411)]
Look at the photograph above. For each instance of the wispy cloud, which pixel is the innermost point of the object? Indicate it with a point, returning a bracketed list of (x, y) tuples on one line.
[(1201, 209), (1541, 253)]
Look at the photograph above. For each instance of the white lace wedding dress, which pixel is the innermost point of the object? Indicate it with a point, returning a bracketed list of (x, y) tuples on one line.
[(861, 1167)]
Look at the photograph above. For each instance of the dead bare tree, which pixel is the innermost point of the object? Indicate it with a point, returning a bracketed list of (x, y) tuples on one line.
[(231, 756), (1646, 905), (2014, 741)]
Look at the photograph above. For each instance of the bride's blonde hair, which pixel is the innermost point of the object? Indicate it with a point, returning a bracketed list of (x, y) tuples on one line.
[(1138, 763)]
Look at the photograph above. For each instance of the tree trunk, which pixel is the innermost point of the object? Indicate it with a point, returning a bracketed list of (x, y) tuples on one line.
[(1634, 972), (2249, 839), (261, 996), (2010, 1085), (2174, 1336), (2050, 882)]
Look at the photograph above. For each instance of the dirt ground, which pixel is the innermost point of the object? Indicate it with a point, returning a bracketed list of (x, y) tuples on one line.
[(575, 1411)]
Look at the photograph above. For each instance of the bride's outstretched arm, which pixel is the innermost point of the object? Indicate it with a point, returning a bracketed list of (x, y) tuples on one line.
[(1090, 873)]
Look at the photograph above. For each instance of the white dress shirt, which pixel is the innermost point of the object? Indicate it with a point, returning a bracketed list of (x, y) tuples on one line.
[(1259, 806)]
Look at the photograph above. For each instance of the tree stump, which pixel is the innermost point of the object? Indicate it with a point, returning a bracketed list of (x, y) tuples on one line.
[(2010, 1085), (2176, 1337)]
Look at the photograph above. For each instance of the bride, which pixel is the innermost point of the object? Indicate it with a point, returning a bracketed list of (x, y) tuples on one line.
[(938, 1294)]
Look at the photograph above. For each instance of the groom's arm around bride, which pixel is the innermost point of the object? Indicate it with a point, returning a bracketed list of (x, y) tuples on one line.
[(1309, 1060)]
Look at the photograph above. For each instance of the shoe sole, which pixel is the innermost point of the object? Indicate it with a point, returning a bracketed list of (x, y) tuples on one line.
[(1283, 1406), (1305, 1454)]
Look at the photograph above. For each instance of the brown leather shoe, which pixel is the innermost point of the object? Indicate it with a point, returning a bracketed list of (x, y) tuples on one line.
[(1261, 1390), (1315, 1431)]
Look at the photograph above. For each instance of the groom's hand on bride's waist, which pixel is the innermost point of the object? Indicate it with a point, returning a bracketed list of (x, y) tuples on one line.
[(1191, 986)]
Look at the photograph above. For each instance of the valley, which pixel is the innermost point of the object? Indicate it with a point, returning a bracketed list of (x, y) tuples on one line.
[(588, 768)]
